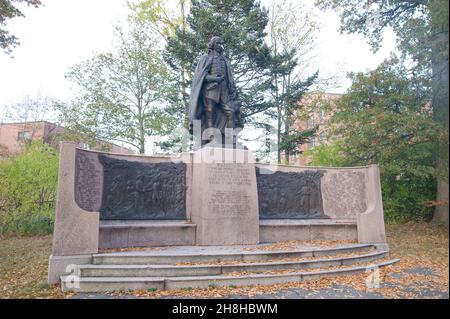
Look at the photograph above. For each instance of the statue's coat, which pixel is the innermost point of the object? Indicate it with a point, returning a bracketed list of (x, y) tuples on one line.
[(196, 108)]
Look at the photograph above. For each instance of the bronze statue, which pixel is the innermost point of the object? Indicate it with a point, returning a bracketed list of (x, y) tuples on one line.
[(213, 98)]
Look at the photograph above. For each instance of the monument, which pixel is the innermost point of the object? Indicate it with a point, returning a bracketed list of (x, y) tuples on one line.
[(215, 195), (224, 196), (213, 100)]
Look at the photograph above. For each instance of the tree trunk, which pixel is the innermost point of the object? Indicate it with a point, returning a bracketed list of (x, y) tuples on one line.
[(286, 135), (279, 115), (184, 70), (141, 139), (440, 104), (278, 133), (185, 99), (287, 123), (141, 129), (440, 110)]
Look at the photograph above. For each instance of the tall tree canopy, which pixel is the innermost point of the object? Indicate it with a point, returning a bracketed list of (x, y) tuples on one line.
[(7, 11), (268, 50), (422, 30), (122, 93), (386, 119), (242, 24), (165, 18), (291, 31)]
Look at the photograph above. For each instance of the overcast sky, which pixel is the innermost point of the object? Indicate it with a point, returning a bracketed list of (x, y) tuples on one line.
[(64, 32)]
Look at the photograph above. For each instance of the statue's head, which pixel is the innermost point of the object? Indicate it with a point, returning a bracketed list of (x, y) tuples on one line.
[(216, 44)]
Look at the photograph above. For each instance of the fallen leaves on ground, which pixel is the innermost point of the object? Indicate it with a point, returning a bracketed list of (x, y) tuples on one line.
[(296, 244), (24, 266), (414, 282), (24, 262), (418, 245), (274, 260)]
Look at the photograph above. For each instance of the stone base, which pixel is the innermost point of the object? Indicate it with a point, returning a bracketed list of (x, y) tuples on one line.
[(76, 230), (371, 227), (278, 230), (128, 233), (61, 265), (224, 197), (382, 246)]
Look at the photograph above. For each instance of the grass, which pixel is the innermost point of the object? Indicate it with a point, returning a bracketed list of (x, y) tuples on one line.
[(24, 260), (212, 286), (23, 268)]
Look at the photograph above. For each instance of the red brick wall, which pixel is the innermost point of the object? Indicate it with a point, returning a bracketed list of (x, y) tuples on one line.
[(9, 134), (44, 131)]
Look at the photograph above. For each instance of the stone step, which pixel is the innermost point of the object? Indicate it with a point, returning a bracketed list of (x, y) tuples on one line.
[(92, 284), (220, 269), (193, 254)]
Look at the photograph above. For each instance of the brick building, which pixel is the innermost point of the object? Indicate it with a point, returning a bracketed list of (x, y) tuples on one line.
[(13, 136), (314, 113)]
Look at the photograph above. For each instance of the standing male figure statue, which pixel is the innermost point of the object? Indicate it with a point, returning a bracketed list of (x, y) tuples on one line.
[(213, 98)]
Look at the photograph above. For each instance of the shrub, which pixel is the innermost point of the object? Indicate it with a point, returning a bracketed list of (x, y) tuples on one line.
[(404, 197), (404, 194), (28, 190)]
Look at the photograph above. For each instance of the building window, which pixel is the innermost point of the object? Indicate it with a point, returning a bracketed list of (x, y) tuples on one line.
[(24, 136), (311, 122), (322, 137), (322, 115), (312, 143)]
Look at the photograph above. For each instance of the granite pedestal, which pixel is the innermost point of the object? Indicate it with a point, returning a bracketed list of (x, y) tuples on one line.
[(224, 197)]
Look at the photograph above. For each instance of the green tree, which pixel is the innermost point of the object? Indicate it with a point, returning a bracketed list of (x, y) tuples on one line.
[(165, 18), (241, 23), (328, 154), (386, 119), (422, 29), (122, 93), (288, 105), (28, 190), (7, 11), (291, 34)]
